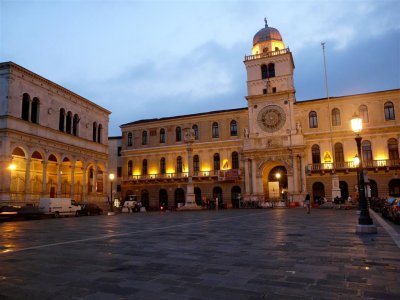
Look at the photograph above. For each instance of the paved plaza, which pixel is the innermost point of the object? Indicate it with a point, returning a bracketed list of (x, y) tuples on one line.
[(225, 254)]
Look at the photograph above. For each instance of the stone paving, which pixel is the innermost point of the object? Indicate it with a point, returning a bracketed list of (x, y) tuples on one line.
[(225, 254)]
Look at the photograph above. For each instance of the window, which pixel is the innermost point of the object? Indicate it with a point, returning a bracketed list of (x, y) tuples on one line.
[(264, 72), (316, 154), (35, 111), (215, 130), (389, 111), (130, 168), (179, 164), (75, 124), (99, 133), (119, 149), (196, 131), (271, 70), (366, 151), (313, 119), (26, 100), (233, 128), (336, 117), (274, 90), (217, 162), (235, 160), (178, 134), (363, 111), (196, 163), (144, 137), (119, 172), (68, 123), (94, 131), (162, 165), (61, 120), (339, 155), (144, 167), (162, 135), (129, 139), (276, 49), (393, 148)]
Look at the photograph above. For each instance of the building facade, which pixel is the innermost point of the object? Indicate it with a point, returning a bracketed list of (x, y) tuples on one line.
[(53, 142), (275, 148), (115, 167)]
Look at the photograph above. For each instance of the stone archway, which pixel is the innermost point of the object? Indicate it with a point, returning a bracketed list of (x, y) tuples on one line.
[(275, 181)]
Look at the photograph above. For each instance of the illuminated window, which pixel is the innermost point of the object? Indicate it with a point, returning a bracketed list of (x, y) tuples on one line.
[(313, 119), (336, 117), (389, 111), (215, 130)]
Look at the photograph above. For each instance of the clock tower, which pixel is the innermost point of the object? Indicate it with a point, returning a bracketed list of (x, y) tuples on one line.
[(273, 140)]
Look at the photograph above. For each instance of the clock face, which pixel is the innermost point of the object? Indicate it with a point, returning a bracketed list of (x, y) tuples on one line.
[(271, 118)]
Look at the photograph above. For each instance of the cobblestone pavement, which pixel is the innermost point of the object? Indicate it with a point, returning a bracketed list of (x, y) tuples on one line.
[(226, 254)]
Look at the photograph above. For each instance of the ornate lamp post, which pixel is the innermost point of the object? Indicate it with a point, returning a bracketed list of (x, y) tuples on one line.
[(365, 223), (111, 177)]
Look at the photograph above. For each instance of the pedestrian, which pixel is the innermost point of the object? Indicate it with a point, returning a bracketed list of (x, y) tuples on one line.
[(307, 202)]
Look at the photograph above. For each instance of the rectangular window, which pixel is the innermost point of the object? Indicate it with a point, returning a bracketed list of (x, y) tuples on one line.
[(119, 151)]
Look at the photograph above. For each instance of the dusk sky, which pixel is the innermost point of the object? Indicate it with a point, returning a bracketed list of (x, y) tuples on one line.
[(152, 59)]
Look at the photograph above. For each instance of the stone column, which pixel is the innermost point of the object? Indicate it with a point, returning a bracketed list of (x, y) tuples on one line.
[(28, 179), (59, 179), (44, 179), (84, 187), (247, 176), (72, 184), (190, 202), (253, 169)]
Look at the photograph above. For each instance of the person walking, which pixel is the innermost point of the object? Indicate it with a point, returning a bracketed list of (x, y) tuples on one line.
[(307, 202)]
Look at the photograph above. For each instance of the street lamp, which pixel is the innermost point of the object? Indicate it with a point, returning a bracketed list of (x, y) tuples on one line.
[(365, 223), (111, 176)]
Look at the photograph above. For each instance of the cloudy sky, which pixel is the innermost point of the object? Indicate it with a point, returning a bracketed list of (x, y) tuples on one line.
[(151, 59)]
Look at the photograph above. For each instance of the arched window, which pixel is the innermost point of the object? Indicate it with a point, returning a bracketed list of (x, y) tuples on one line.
[(94, 131), (363, 111), (389, 111), (69, 123), (217, 162), (313, 119), (366, 151), (178, 134), (339, 155), (196, 131), (162, 165), (179, 164), (393, 148), (99, 133), (162, 135), (61, 120), (233, 126), (264, 71), (144, 167), (196, 163), (35, 110), (144, 137), (271, 70), (75, 125), (130, 139), (315, 154), (235, 160), (130, 168), (336, 117), (215, 130), (26, 100)]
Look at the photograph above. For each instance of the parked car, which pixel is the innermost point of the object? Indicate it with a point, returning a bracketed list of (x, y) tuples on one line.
[(386, 207), (394, 211), (8, 213), (89, 209)]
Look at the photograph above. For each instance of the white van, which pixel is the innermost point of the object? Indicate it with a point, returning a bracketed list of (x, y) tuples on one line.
[(59, 206)]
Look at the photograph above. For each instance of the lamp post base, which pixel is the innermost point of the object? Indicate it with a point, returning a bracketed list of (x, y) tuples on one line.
[(366, 228)]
